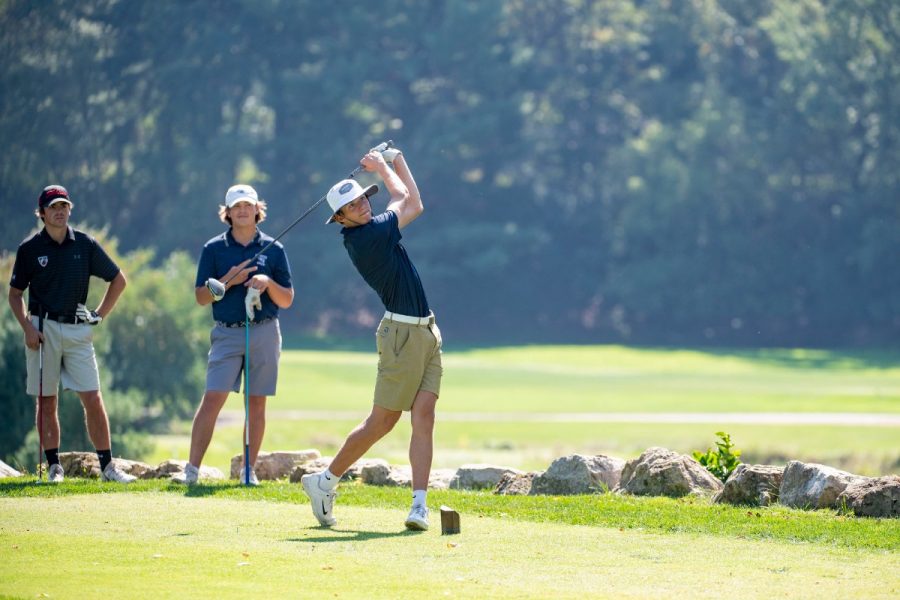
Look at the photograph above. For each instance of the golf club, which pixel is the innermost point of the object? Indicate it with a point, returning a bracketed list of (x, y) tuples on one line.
[(40, 404), (217, 288), (247, 398)]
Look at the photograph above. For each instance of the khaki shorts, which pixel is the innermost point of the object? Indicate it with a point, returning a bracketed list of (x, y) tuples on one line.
[(409, 360), (68, 357)]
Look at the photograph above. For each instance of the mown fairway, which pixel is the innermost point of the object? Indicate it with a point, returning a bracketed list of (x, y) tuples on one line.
[(525, 406), (158, 540)]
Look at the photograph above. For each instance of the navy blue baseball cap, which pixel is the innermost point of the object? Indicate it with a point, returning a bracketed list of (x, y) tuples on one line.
[(51, 193)]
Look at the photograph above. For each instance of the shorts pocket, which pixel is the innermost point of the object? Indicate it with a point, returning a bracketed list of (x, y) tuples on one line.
[(401, 337)]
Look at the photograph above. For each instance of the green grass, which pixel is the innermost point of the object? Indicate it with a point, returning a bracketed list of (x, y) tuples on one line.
[(155, 539), (523, 383), (612, 379)]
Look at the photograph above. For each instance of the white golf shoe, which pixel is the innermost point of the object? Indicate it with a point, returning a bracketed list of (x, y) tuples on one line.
[(418, 518), (189, 476), (322, 502), (113, 473), (254, 481), (55, 474)]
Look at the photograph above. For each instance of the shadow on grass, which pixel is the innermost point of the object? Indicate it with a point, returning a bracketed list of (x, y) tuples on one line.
[(349, 535)]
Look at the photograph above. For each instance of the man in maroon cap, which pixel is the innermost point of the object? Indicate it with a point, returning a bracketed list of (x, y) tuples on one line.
[(55, 265)]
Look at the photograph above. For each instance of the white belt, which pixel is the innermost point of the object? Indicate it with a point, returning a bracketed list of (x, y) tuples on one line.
[(391, 316)]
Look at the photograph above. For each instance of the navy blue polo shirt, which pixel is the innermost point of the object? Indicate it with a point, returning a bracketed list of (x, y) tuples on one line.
[(381, 259), (57, 275), (223, 252)]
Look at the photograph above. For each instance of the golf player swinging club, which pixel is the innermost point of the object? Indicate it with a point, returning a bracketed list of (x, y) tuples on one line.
[(217, 288)]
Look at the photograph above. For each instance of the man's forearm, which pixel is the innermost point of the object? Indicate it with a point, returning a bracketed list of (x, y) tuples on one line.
[(113, 291)]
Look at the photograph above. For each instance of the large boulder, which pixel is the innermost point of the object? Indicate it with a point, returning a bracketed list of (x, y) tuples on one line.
[(578, 474), (168, 469), (751, 485), (7, 471), (313, 466), (516, 484), (87, 464), (480, 476), (810, 485), (274, 465), (378, 472), (873, 497), (661, 472)]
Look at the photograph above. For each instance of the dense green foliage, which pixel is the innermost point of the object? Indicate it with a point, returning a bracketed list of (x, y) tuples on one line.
[(671, 172), (722, 461)]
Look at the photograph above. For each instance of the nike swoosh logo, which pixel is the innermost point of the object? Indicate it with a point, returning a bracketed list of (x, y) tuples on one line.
[(324, 512)]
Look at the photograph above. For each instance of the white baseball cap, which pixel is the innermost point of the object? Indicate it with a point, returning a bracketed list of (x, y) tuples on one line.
[(240, 193), (344, 192)]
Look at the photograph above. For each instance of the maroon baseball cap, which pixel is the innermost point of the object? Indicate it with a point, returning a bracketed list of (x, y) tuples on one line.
[(51, 193)]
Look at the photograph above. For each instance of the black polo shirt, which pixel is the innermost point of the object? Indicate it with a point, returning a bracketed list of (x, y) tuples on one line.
[(223, 252), (381, 259), (57, 275)]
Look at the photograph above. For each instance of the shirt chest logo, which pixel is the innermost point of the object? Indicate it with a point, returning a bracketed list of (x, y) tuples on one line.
[(42, 260), (261, 260)]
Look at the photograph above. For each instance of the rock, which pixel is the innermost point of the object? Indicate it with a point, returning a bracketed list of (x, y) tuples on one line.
[(515, 484), (873, 497), (169, 468), (7, 471), (87, 465), (314, 466), (661, 472), (810, 485), (480, 476), (578, 474), (439, 479), (753, 485), (274, 465)]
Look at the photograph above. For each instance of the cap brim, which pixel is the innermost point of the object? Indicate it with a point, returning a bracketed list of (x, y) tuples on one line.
[(57, 200), (249, 199)]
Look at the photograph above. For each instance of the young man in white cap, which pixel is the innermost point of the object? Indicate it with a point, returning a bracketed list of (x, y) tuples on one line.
[(408, 340), (56, 265), (266, 284)]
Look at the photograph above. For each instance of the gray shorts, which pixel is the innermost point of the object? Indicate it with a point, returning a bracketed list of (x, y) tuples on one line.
[(225, 369), (68, 357)]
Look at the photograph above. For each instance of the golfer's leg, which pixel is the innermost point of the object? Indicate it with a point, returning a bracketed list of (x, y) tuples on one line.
[(205, 423), (421, 443), (50, 425), (95, 419), (257, 426), (377, 425)]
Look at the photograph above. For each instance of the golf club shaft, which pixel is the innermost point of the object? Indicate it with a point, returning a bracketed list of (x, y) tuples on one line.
[(380, 148), (40, 400), (247, 399)]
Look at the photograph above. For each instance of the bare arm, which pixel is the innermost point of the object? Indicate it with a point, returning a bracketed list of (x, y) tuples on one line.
[(236, 275), (402, 202), (113, 291), (414, 203), (33, 337)]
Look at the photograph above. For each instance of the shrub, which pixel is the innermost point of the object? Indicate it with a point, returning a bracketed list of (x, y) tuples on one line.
[(722, 461)]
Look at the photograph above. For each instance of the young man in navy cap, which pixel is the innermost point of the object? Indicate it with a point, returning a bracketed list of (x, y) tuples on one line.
[(256, 291), (408, 340), (56, 265)]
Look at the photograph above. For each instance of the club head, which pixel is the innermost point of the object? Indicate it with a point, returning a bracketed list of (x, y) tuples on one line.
[(216, 288)]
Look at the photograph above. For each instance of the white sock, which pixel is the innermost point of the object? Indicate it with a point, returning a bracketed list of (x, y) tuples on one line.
[(419, 497), (328, 480)]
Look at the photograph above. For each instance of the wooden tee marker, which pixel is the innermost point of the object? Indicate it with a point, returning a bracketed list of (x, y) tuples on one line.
[(449, 521)]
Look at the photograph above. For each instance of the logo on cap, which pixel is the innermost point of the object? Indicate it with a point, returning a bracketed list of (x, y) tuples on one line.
[(345, 188)]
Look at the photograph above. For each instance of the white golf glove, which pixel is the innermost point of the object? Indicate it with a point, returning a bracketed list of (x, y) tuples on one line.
[(252, 300), (390, 154), (91, 317)]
